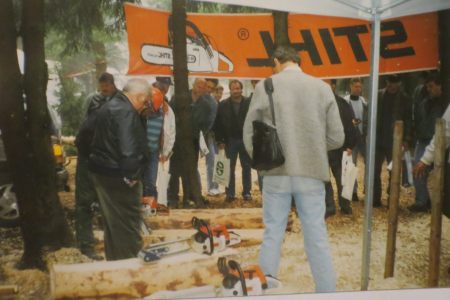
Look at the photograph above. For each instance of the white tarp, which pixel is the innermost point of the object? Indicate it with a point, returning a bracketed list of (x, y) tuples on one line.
[(359, 9)]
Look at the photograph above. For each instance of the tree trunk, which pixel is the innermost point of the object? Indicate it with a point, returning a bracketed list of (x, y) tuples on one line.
[(244, 218), (184, 139), (26, 134), (132, 279), (280, 23), (444, 51), (232, 218)]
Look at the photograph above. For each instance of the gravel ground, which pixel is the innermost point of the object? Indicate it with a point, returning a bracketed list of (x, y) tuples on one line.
[(345, 233)]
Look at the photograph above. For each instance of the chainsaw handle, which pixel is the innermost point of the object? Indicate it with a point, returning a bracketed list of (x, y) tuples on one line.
[(217, 229), (202, 225), (235, 266)]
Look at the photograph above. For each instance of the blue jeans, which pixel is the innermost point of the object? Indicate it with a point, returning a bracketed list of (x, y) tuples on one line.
[(232, 149), (309, 195), (210, 163), (422, 195), (150, 174)]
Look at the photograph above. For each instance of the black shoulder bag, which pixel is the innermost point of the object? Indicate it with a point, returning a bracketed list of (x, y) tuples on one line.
[(267, 151)]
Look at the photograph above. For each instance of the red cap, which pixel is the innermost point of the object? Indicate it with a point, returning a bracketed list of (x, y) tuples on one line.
[(157, 98)]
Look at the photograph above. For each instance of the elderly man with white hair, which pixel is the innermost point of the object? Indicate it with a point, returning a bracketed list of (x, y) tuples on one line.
[(119, 150)]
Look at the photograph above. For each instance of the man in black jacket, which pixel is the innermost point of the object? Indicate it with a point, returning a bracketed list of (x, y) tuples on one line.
[(335, 156), (228, 130), (119, 150), (85, 195), (393, 105), (426, 112)]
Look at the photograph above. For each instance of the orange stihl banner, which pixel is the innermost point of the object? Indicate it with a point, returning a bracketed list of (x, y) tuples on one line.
[(240, 45)]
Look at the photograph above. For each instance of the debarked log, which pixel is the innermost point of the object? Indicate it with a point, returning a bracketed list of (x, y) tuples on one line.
[(236, 218), (131, 278)]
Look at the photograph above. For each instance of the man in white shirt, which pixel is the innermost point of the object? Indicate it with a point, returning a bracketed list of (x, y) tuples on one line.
[(359, 105)]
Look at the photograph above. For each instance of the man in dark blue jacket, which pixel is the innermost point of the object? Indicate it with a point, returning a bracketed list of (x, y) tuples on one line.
[(228, 130), (119, 150)]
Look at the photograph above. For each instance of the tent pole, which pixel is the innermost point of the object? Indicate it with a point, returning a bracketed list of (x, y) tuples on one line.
[(370, 147)]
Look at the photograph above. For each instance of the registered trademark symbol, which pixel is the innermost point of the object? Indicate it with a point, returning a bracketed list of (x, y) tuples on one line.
[(243, 34)]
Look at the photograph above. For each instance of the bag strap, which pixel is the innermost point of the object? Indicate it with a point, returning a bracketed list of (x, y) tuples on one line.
[(268, 86)]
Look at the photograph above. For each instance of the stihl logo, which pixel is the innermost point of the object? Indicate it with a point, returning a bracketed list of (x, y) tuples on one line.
[(240, 45), (352, 35)]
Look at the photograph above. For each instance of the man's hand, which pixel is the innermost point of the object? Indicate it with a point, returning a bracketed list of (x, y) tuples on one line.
[(129, 182), (163, 158), (420, 169)]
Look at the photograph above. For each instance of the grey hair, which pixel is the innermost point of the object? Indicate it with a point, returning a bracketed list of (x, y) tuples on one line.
[(286, 53), (137, 86)]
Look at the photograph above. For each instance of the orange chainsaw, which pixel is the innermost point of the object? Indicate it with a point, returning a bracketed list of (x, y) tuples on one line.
[(207, 240), (237, 282)]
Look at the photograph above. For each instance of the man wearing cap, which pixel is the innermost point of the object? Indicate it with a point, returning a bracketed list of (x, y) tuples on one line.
[(119, 151), (160, 138), (85, 195), (393, 105)]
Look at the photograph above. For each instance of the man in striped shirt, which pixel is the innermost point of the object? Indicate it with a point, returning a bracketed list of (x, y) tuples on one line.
[(160, 140)]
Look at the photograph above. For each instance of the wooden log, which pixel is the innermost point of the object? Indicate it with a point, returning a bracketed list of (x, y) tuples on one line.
[(250, 218), (131, 278), (237, 218), (393, 200), (8, 290), (436, 196)]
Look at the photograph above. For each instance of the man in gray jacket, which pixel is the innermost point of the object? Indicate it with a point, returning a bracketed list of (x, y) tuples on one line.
[(308, 125)]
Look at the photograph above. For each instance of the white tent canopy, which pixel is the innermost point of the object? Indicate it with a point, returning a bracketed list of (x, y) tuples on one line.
[(360, 9), (374, 11)]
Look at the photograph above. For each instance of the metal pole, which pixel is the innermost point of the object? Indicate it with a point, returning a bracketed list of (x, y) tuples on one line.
[(370, 147)]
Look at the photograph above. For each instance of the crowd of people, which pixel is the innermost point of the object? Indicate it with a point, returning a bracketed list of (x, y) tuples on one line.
[(127, 134)]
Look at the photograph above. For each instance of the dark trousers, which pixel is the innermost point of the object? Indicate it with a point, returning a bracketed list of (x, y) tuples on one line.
[(335, 162), (150, 175), (234, 148), (175, 174), (85, 196), (120, 206), (381, 154)]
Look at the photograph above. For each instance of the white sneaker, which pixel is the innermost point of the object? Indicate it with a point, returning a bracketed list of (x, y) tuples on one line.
[(213, 192)]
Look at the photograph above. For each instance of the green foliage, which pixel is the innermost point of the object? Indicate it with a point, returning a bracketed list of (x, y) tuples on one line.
[(204, 7), (70, 150), (78, 22), (71, 107), (78, 33), (209, 7)]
